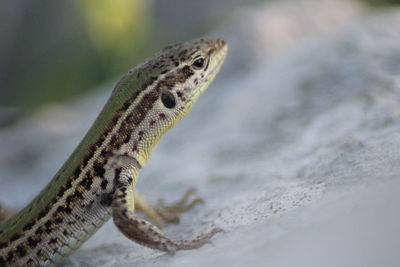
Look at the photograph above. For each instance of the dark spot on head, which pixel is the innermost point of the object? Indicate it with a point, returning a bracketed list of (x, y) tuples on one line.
[(134, 147), (186, 72), (182, 53)]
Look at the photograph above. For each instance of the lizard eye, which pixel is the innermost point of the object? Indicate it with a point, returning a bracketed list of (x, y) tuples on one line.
[(198, 63), (168, 99)]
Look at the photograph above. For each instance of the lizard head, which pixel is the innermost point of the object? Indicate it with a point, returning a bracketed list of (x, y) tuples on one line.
[(193, 66), (169, 83)]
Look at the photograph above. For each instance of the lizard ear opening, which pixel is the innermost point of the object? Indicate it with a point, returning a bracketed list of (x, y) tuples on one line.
[(168, 99)]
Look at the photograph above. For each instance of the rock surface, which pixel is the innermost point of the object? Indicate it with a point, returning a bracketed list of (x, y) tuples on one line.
[(297, 155)]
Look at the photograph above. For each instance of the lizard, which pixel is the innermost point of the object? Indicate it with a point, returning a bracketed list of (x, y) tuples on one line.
[(98, 181)]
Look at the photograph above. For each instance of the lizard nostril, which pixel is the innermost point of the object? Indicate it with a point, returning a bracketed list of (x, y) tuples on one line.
[(221, 42)]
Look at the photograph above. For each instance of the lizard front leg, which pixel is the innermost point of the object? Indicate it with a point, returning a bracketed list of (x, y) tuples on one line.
[(140, 230)]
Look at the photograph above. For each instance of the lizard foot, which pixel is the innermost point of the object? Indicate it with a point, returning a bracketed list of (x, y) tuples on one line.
[(170, 213)]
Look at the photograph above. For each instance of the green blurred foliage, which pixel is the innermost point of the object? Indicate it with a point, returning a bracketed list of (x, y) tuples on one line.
[(61, 50), (382, 2)]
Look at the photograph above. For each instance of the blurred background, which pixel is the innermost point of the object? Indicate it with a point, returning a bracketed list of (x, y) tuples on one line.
[(53, 51), (50, 52)]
